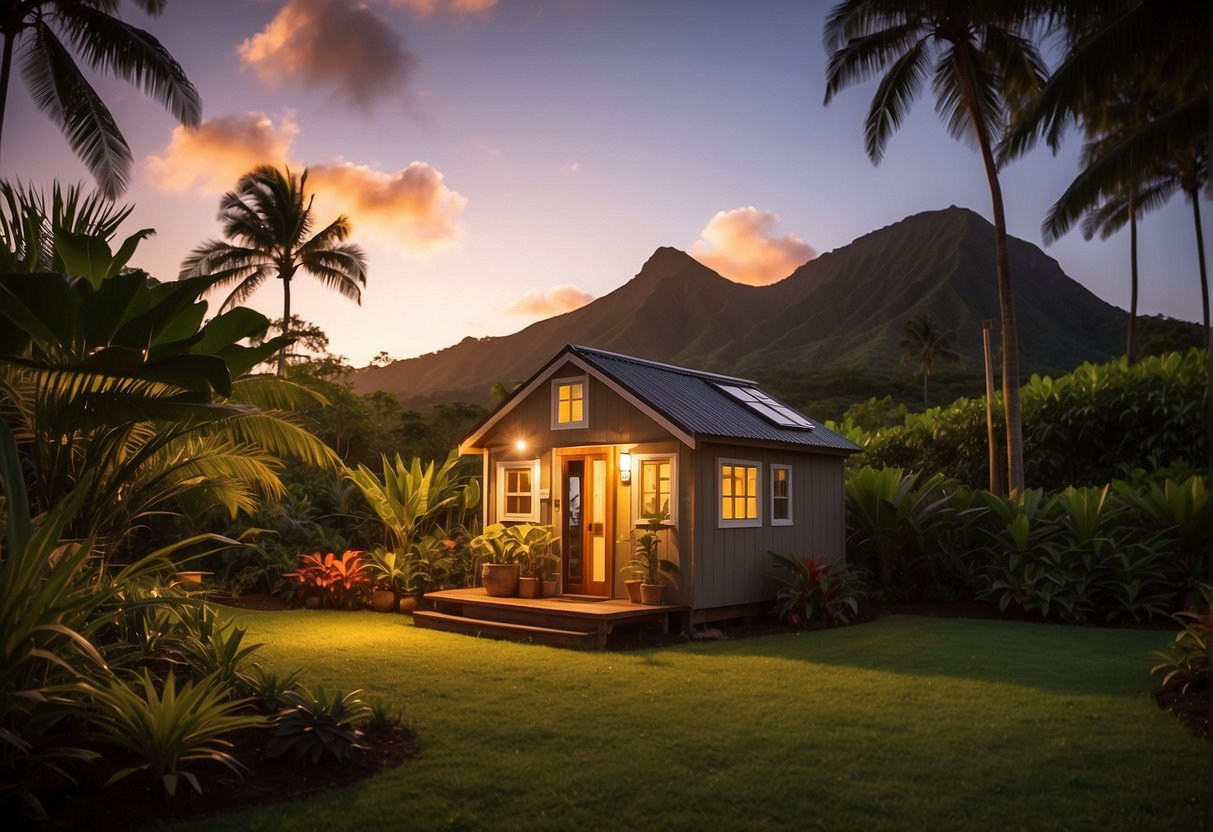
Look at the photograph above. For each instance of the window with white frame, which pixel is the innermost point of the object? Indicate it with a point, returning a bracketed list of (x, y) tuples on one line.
[(781, 495), (738, 487), (569, 403), (654, 486), (518, 491)]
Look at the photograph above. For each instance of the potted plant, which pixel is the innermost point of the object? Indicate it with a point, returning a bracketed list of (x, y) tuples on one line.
[(499, 571), (392, 576), (647, 565), (535, 544)]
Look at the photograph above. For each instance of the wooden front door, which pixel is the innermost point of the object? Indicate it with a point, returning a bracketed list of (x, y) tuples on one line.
[(586, 564)]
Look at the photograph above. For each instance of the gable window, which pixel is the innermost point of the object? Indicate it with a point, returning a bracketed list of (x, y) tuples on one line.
[(738, 487), (655, 486), (569, 402), (781, 495), (518, 491)]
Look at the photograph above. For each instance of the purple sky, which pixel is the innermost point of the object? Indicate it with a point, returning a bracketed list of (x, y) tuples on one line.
[(502, 160)]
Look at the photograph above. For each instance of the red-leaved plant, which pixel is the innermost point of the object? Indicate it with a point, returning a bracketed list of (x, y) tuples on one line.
[(815, 592), (339, 582)]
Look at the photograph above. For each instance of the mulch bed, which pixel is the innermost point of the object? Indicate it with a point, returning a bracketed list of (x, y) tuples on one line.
[(140, 799)]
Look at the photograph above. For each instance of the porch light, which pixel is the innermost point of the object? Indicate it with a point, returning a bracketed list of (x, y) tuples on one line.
[(520, 444), (625, 467)]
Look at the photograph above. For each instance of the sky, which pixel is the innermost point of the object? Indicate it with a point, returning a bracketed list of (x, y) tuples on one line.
[(502, 161)]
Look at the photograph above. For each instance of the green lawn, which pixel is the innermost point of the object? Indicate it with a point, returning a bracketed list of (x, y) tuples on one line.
[(903, 723)]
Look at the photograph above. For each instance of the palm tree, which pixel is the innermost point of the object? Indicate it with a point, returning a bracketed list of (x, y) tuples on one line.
[(982, 67), (924, 342), (37, 29), (1111, 203), (269, 216)]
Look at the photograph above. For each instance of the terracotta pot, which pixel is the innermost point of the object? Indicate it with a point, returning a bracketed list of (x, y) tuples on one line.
[(500, 579), (529, 587), (312, 602), (551, 588), (651, 594), (383, 600), (633, 587), (409, 603)]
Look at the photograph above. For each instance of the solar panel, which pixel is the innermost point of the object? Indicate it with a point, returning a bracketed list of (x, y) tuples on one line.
[(772, 410)]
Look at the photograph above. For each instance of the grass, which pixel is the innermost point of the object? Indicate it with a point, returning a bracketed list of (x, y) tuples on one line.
[(903, 723)]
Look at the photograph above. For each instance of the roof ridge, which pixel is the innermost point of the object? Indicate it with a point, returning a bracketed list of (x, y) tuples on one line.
[(686, 371)]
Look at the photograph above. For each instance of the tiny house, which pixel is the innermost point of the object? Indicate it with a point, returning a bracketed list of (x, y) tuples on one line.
[(595, 441)]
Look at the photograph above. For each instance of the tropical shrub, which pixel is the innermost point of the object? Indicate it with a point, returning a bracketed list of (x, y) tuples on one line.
[(1095, 424), (267, 689), (1184, 664), (313, 726), (339, 582), (813, 592), (169, 726)]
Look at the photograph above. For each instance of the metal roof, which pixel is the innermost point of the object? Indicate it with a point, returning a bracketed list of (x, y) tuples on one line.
[(693, 401)]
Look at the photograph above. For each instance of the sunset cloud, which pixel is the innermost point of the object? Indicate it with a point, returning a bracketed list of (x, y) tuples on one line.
[(412, 205), (461, 7), (340, 45), (211, 158), (744, 245), (557, 301)]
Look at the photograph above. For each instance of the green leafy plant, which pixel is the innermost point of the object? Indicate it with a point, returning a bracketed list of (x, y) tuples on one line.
[(169, 726), (647, 563), (390, 571), (1184, 664), (412, 499), (214, 648), (314, 726), (267, 689), (812, 592)]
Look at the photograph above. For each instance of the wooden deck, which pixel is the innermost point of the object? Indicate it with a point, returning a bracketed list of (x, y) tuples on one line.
[(562, 621)]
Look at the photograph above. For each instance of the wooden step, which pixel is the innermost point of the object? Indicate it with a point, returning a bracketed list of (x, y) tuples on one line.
[(507, 631)]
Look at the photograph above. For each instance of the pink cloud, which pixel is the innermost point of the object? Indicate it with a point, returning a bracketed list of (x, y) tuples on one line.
[(340, 45), (211, 158), (557, 301), (461, 7), (412, 205), (744, 245)]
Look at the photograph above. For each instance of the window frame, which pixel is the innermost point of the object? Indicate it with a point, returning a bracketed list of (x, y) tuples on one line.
[(638, 461), (506, 465), (734, 523), (790, 519), (584, 381)]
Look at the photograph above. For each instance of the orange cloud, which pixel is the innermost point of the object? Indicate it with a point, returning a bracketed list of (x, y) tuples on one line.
[(211, 158), (412, 205), (462, 7), (338, 44), (559, 300), (744, 246)]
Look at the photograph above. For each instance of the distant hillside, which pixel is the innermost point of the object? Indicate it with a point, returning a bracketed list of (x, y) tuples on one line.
[(844, 311)]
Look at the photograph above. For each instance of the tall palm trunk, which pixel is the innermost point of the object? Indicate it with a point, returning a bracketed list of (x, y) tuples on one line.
[(6, 70), (286, 321), (1204, 273), (1006, 301), (1131, 338)]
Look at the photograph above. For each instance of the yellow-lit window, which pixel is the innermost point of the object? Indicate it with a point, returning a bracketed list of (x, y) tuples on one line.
[(739, 493), (655, 481), (568, 403)]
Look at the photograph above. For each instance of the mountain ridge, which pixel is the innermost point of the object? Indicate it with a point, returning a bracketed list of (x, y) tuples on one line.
[(843, 309)]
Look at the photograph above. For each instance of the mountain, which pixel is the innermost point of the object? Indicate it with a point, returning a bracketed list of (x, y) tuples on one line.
[(844, 309)]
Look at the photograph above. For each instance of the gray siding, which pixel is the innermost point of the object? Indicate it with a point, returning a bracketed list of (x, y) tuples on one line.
[(731, 564)]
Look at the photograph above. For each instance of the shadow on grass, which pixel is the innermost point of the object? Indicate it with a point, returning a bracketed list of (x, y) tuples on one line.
[(1048, 657)]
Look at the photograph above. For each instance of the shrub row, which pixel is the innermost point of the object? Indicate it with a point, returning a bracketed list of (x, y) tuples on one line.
[(1129, 551)]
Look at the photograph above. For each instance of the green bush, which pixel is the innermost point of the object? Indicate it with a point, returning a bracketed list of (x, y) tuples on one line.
[(1098, 423), (815, 593), (313, 726)]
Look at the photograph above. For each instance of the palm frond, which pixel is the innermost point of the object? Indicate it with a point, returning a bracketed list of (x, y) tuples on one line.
[(109, 43), (894, 96), (61, 91)]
